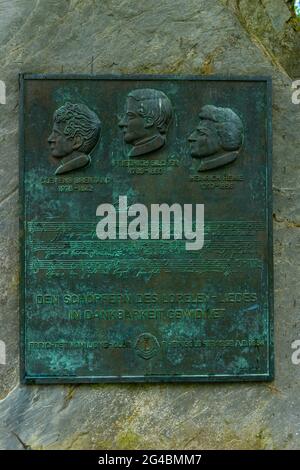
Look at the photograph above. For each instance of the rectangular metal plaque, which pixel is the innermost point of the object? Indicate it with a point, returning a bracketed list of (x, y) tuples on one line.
[(117, 282)]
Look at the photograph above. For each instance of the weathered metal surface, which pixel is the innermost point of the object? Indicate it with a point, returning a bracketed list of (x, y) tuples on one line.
[(145, 310)]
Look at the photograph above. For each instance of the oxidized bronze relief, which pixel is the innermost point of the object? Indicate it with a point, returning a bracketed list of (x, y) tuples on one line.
[(75, 133), (217, 139), (146, 229), (145, 124)]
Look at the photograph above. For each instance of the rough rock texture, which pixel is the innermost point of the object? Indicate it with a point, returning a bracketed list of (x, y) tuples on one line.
[(271, 24), (154, 36)]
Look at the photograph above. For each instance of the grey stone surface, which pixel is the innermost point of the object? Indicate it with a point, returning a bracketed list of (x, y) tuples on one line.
[(152, 36), (9, 280), (272, 25)]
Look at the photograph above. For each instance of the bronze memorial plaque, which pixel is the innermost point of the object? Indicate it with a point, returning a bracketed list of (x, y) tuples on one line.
[(146, 228)]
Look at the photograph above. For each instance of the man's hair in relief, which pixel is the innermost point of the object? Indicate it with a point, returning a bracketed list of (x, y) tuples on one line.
[(79, 120), (156, 105), (228, 124)]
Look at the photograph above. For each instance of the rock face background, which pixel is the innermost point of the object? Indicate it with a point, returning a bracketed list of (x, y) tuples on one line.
[(155, 36)]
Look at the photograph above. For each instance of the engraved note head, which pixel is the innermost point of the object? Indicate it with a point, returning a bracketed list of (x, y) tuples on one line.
[(148, 114), (76, 131), (218, 137)]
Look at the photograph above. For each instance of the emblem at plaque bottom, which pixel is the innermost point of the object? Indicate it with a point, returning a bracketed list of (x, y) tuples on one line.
[(146, 346)]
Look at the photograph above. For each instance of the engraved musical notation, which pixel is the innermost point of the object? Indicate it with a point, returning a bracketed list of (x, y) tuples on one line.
[(56, 247)]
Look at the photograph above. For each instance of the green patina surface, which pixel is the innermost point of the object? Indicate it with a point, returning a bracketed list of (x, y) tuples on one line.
[(146, 310)]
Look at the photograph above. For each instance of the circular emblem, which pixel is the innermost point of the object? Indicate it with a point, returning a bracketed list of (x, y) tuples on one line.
[(146, 346)]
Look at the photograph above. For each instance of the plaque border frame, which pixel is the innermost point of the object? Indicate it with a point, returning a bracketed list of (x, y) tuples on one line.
[(207, 378)]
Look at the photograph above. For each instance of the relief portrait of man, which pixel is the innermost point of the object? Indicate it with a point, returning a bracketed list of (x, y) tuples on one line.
[(75, 133), (218, 138), (148, 114)]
